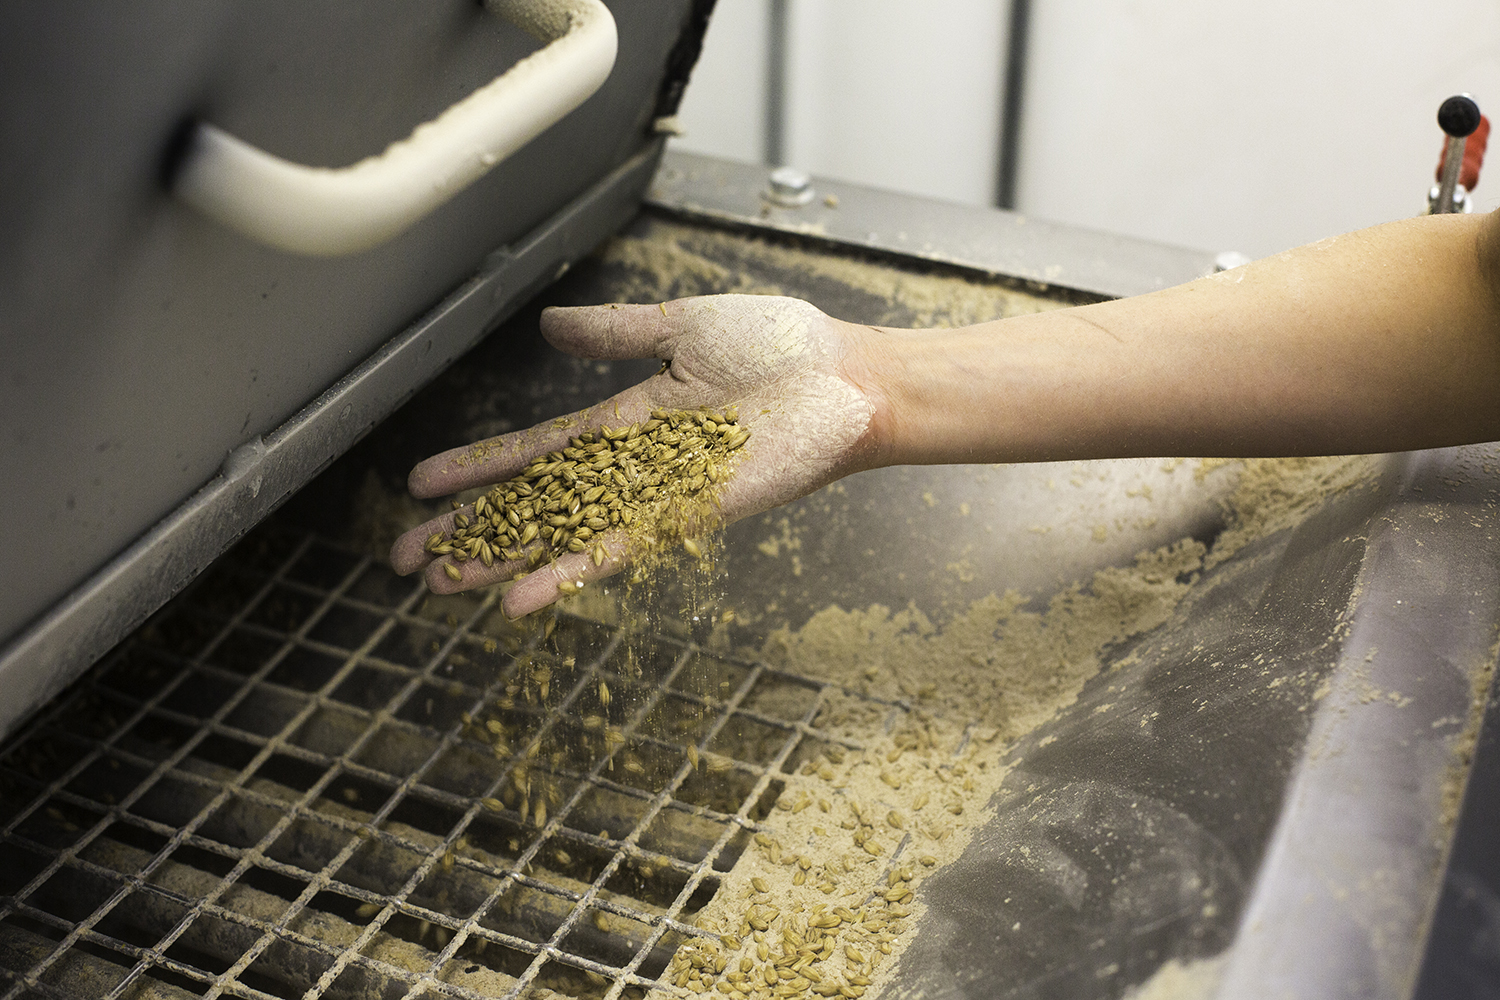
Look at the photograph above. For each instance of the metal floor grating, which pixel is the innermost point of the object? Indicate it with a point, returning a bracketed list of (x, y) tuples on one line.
[(290, 784)]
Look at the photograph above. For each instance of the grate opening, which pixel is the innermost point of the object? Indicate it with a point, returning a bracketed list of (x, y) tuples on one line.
[(436, 706), (282, 769), (57, 824), (160, 733), (305, 670), (359, 793), (410, 645), (345, 626), (227, 753), (187, 955), (330, 731), (72, 894), (284, 609), (390, 751), (723, 791), (779, 697), (365, 687), (270, 882), (580, 639), (138, 675), (494, 958), (244, 651), (308, 778), (148, 842), (184, 634), (748, 739), (199, 694), (605, 938), (196, 858), (21, 866), (100, 779), (322, 566), (571, 980), (265, 712), (573, 858), (421, 814)]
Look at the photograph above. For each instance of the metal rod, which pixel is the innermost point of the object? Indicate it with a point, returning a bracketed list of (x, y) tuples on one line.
[(1458, 117), (1017, 42), (1453, 162), (774, 151)]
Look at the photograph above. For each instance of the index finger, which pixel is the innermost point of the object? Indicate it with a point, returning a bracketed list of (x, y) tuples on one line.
[(499, 458), (607, 331), (613, 331)]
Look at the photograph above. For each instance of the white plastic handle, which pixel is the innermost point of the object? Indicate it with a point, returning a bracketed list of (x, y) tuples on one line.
[(328, 212)]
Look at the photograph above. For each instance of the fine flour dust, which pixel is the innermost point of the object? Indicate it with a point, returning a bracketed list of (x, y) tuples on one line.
[(678, 260), (827, 895)]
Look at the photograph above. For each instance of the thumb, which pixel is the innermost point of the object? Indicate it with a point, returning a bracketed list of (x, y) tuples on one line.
[(614, 332)]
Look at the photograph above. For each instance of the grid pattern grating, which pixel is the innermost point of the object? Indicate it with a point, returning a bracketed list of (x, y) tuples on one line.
[(306, 778)]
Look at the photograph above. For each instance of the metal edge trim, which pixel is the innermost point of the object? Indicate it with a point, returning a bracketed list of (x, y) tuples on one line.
[(1344, 897), (994, 242)]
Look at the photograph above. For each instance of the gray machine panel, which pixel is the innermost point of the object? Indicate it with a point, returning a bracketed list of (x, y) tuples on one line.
[(143, 343)]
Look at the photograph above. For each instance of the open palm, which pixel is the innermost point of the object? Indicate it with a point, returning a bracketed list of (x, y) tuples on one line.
[(780, 360)]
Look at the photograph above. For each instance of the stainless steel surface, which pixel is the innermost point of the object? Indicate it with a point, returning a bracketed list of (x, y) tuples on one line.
[(1257, 786), (789, 187), (1362, 831), (988, 240), (1449, 195), (1459, 202), (258, 476), (1463, 950), (140, 342)]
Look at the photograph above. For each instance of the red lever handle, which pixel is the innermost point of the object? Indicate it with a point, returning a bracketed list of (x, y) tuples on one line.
[(1468, 175)]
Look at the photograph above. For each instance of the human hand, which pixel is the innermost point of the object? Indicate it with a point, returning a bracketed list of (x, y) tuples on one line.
[(792, 371)]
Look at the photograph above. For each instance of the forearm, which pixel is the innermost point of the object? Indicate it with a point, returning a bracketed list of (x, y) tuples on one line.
[(1382, 340)]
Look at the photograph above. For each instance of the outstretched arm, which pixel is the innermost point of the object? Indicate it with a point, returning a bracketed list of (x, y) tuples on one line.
[(1383, 340), (1386, 339)]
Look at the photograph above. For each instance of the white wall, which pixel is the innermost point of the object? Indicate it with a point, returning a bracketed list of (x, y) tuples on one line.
[(724, 107), (892, 93), (1253, 127), (1222, 126), (898, 94)]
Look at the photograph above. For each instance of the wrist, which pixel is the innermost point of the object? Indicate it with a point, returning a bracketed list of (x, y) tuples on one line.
[(872, 360), (968, 394)]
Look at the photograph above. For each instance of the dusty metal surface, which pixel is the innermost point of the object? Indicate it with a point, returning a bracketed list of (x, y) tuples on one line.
[(257, 794), (256, 477), (999, 242), (143, 342), (1259, 784)]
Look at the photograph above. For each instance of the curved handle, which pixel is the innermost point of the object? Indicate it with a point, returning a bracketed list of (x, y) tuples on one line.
[(328, 212)]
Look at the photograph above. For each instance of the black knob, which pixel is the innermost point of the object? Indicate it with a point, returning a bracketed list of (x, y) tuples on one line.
[(1459, 116)]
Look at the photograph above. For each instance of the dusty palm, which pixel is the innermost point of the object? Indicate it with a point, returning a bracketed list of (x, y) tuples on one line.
[(779, 360)]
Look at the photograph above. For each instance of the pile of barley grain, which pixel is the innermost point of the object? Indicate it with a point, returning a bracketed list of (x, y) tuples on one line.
[(565, 499)]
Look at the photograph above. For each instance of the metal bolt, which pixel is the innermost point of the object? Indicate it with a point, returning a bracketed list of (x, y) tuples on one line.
[(790, 187)]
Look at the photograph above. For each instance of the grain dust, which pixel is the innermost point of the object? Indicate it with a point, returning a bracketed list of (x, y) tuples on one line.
[(896, 793)]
